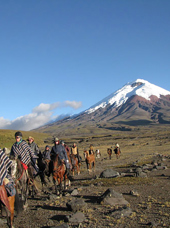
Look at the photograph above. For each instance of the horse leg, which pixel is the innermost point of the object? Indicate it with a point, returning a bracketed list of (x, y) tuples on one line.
[(60, 185), (11, 200), (5, 212), (89, 168), (8, 214), (78, 169), (55, 184), (24, 194), (87, 164), (73, 171), (58, 191), (65, 178)]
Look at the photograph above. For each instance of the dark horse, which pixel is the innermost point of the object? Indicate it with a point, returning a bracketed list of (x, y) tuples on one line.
[(44, 169), (109, 151), (24, 181), (59, 173), (117, 152)]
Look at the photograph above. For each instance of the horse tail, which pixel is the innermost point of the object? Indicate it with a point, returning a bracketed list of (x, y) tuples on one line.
[(18, 205)]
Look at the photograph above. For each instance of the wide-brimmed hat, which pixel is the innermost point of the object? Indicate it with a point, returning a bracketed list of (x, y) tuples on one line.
[(30, 137), (56, 139)]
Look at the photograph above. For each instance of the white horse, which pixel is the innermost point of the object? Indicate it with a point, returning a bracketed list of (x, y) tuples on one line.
[(98, 154)]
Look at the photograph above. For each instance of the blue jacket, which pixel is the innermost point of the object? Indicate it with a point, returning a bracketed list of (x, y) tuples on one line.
[(60, 150)]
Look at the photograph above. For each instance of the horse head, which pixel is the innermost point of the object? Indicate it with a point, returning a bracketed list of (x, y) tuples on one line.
[(86, 154)]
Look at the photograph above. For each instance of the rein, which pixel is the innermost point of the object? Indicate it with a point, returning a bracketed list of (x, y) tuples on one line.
[(21, 175)]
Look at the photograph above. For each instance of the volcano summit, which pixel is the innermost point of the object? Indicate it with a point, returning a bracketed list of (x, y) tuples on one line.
[(136, 103)]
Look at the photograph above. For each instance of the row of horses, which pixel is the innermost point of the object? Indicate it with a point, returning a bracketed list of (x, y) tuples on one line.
[(116, 150), (25, 184)]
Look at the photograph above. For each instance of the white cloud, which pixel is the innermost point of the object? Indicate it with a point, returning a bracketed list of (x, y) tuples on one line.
[(4, 123), (41, 115), (45, 107), (73, 104)]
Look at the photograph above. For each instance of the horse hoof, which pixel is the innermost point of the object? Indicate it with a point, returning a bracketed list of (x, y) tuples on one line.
[(25, 206), (37, 193)]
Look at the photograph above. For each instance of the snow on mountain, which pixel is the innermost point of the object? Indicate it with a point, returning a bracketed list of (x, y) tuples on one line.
[(139, 87)]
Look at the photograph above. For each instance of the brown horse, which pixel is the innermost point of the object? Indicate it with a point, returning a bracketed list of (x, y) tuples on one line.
[(59, 174), (90, 161), (7, 202), (75, 164), (117, 152), (109, 151)]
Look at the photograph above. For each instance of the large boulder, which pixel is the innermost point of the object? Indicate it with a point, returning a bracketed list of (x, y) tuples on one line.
[(76, 218), (76, 204), (110, 197), (109, 173)]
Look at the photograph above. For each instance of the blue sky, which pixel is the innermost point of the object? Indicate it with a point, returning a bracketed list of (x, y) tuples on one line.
[(60, 57)]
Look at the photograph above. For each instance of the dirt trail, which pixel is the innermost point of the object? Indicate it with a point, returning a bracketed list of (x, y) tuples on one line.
[(151, 208)]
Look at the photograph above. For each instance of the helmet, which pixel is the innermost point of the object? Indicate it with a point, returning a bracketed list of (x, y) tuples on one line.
[(18, 133)]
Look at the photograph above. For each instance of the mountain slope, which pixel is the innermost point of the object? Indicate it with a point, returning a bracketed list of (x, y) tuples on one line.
[(136, 103)]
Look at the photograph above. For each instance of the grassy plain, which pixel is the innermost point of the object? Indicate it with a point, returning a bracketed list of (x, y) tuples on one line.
[(140, 141), (139, 145), (7, 137)]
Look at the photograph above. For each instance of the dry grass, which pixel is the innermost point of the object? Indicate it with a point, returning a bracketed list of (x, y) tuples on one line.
[(7, 137), (140, 143), (109, 182)]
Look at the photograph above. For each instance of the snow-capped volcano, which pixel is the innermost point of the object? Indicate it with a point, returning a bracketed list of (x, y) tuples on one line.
[(140, 87), (136, 103)]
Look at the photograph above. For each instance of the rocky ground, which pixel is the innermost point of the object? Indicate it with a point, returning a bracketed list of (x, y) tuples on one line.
[(131, 193)]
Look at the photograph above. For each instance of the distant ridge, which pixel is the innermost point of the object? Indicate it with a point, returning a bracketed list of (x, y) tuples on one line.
[(136, 103)]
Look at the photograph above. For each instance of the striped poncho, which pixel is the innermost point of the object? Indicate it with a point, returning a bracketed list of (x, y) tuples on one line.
[(5, 164), (24, 151)]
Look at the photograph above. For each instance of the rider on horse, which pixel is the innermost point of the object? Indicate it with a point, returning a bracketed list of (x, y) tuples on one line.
[(117, 150), (23, 151), (35, 149), (75, 152), (117, 145), (91, 149), (5, 170), (62, 154), (46, 153), (46, 158)]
